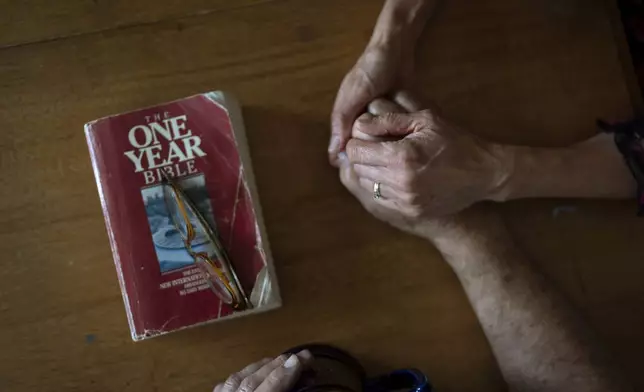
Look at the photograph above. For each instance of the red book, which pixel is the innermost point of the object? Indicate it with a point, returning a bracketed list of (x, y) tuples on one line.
[(182, 214)]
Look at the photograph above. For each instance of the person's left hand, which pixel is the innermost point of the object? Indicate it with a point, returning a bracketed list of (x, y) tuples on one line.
[(382, 69), (268, 375)]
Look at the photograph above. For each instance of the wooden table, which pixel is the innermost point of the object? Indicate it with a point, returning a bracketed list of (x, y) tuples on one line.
[(536, 71)]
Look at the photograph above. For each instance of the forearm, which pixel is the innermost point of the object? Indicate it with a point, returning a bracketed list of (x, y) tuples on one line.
[(590, 169), (402, 21), (539, 340)]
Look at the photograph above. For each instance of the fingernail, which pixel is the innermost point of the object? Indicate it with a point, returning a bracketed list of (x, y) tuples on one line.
[(292, 361), (334, 143), (343, 157), (305, 354)]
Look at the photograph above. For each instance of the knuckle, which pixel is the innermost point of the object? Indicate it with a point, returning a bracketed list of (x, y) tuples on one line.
[(273, 380), (407, 180), (361, 155), (402, 157), (409, 157), (352, 149), (414, 212), (232, 382), (409, 153), (249, 384), (391, 151), (389, 117)]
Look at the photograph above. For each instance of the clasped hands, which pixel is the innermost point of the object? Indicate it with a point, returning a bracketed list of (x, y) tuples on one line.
[(428, 169)]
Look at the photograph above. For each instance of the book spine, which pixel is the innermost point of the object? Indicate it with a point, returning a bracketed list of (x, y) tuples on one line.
[(98, 166), (233, 108)]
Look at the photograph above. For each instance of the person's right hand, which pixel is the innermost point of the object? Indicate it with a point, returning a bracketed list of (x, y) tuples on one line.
[(268, 375), (382, 70), (428, 168)]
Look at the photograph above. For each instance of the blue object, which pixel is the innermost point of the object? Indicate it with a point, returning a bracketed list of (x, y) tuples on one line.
[(407, 380), (412, 380)]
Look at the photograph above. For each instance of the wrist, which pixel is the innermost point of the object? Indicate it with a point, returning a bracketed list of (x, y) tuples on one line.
[(590, 169), (504, 172), (400, 24), (468, 233), (527, 171)]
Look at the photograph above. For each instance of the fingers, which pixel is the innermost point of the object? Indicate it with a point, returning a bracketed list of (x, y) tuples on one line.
[(377, 107), (305, 357), (246, 381), (386, 191), (252, 368), (349, 103), (380, 106), (363, 190), (370, 153), (232, 383), (356, 134), (407, 101), (348, 177), (394, 207), (402, 102), (389, 124), (254, 376), (340, 131), (391, 187), (411, 102), (382, 174)]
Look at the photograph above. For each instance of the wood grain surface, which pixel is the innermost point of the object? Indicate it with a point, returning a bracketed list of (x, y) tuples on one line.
[(535, 72)]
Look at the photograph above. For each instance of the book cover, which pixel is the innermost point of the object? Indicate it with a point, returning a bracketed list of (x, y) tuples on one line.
[(182, 214)]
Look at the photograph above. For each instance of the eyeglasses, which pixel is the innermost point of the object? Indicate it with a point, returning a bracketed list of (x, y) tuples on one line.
[(201, 241)]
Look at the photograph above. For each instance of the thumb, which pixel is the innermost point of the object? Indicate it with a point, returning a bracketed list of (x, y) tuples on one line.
[(348, 177), (389, 124)]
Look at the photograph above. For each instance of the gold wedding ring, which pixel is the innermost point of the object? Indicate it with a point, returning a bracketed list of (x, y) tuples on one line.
[(376, 191)]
